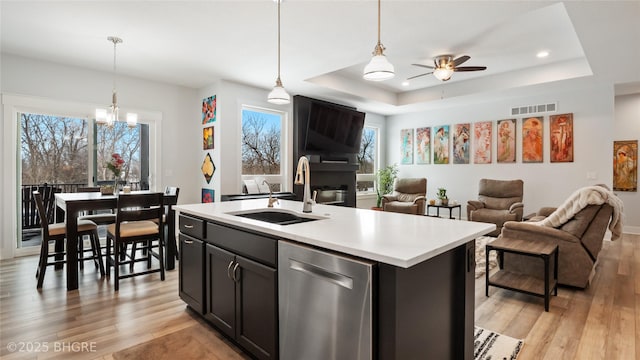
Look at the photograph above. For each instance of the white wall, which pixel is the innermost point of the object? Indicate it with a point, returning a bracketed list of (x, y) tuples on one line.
[(179, 109), (231, 97), (627, 127), (545, 184)]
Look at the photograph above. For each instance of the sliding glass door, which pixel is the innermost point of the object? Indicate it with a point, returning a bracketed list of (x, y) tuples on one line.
[(60, 154)]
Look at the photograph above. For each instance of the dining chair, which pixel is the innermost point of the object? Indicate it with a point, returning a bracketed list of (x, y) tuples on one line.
[(101, 218), (138, 221), (57, 233), (168, 207)]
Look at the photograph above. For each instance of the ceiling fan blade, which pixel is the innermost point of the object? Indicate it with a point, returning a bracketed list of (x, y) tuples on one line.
[(417, 76), (470, 68), (424, 66), (460, 60)]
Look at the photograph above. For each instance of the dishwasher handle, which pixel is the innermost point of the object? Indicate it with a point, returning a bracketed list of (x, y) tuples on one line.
[(313, 270)]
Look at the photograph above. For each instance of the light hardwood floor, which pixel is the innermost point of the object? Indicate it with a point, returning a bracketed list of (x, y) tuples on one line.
[(601, 322)]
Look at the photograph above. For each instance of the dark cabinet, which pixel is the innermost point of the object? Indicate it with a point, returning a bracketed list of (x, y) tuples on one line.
[(191, 272), (241, 293)]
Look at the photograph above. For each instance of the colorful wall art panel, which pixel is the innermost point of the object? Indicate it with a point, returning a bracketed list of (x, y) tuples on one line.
[(625, 165), (423, 145), (482, 137), (461, 143), (561, 132), (406, 146), (441, 144), (208, 168), (207, 138), (208, 195), (209, 110), (532, 139), (506, 141)]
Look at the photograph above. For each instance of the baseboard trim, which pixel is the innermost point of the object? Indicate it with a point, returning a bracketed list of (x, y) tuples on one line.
[(635, 230)]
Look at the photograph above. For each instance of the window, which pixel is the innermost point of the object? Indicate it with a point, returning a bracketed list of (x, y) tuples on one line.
[(130, 144), (368, 160), (262, 148)]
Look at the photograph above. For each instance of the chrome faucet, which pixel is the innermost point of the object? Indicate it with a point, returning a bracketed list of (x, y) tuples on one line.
[(271, 198), (303, 165)]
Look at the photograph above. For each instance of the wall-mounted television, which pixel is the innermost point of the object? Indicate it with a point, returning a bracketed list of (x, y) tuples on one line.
[(333, 129)]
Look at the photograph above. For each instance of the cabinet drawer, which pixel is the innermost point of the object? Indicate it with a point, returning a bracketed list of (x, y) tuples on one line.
[(254, 246), (192, 226)]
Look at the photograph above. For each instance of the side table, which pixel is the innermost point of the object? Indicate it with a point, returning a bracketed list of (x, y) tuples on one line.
[(520, 282), (450, 207)]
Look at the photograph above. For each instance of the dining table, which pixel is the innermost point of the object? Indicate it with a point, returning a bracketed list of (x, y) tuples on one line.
[(73, 204)]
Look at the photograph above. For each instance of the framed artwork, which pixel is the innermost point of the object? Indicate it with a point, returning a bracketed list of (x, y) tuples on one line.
[(461, 136), (506, 141), (441, 144), (561, 132), (208, 168), (406, 146), (207, 138), (208, 195), (209, 110), (625, 165), (482, 141), (532, 139), (423, 145)]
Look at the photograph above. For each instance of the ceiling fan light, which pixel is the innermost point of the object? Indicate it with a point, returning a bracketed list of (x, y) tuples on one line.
[(279, 95), (379, 69), (442, 74)]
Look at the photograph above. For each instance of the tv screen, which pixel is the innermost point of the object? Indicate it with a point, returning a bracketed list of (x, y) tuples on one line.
[(333, 129)]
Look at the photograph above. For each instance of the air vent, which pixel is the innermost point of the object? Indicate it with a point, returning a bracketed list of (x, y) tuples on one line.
[(534, 109)]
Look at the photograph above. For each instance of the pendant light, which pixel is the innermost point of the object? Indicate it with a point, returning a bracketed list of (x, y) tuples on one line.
[(379, 68), (109, 118), (279, 95)]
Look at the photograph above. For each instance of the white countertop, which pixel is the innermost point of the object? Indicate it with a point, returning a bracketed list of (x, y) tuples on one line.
[(397, 239)]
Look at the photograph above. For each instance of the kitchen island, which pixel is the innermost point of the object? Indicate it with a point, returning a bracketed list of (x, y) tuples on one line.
[(422, 285)]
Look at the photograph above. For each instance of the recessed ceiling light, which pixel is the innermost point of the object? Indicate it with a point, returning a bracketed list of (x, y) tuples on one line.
[(405, 83), (542, 54)]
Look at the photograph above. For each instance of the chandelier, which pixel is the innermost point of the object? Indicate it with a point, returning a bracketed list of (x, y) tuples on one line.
[(110, 116)]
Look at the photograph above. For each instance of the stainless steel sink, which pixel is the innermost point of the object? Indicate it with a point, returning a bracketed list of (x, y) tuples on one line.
[(273, 216)]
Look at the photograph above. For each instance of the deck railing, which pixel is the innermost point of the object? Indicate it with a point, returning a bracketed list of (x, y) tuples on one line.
[(30, 217)]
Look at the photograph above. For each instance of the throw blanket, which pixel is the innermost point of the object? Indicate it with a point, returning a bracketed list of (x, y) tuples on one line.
[(590, 195)]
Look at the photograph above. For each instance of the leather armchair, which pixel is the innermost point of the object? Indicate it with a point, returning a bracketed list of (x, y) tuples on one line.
[(408, 196), (579, 242), (498, 201)]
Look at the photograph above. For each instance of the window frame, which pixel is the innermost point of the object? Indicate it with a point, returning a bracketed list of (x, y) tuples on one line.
[(272, 179), (13, 105), (376, 162)]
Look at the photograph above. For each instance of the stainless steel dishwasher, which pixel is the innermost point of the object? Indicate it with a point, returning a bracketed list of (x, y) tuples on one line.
[(324, 305)]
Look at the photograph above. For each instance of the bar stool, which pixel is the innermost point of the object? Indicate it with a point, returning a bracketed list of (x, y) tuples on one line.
[(57, 234)]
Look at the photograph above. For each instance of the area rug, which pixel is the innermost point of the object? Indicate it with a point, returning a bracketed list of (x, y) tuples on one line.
[(489, 345), (481, 258)]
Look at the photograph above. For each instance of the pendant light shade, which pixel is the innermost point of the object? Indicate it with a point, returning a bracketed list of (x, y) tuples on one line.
[(379, 68), (279, 95)]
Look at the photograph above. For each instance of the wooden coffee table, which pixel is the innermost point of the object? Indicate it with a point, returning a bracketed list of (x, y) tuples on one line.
[(520, 282)]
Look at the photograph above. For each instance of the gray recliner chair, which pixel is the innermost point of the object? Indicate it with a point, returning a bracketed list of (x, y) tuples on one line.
[(579, 241), (408, 196), (498, 201)]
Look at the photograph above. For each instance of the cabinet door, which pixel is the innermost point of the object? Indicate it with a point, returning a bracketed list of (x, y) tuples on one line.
[(257, 311), (191, 272), (220, 289)]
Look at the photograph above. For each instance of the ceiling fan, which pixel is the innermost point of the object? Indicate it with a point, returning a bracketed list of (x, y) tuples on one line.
[(446, 65)]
